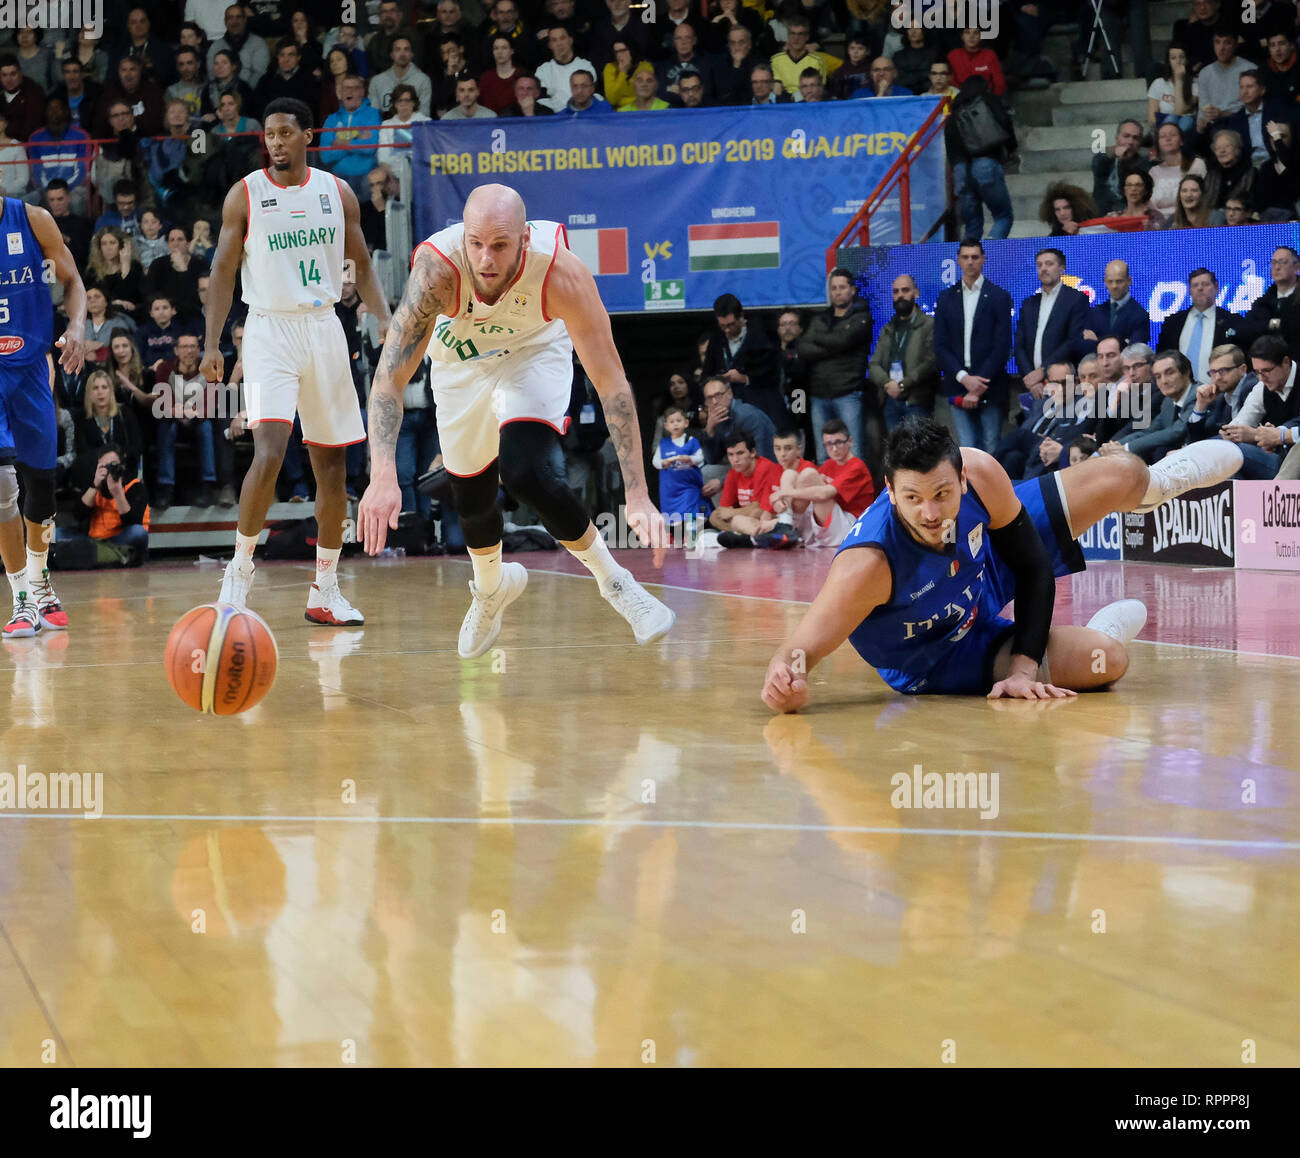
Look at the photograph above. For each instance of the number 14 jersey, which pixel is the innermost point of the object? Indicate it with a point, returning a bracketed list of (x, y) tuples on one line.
[(293, 250)]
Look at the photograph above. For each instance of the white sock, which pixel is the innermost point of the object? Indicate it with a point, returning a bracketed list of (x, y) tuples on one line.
[(1199, 464), (327, 566), (487, 570), (786, 518), (18, 581), (36, 564), (244, 546), (597, 559)]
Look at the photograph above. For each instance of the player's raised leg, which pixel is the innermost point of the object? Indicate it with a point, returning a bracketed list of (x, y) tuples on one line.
[(1098, 486)]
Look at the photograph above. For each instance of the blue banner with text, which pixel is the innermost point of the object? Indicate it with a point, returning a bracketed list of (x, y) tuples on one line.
[(670, 209)]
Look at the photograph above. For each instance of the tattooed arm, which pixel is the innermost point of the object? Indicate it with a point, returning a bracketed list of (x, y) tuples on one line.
[(572, 297), (430, 291)]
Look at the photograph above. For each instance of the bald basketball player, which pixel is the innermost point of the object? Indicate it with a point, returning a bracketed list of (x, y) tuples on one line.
[(501, 303), (918, 586)]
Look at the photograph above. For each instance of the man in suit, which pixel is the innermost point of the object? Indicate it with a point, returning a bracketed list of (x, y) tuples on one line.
[(1219, 399), (1194, 332), (1277, 309), (1060, 415), (1250, 122), (744, 357), (1168, 430), (1119, 316), (972, 341), (1051, 323)]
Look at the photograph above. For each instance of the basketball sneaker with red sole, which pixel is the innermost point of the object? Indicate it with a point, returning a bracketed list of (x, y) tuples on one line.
[(26, 620), (328, 608), (48, 606)]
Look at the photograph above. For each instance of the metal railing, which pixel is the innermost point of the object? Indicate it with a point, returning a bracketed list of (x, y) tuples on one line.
[(899, 174)]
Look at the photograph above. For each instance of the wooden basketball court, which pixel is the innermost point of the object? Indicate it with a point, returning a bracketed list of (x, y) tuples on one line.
[(574, 851)]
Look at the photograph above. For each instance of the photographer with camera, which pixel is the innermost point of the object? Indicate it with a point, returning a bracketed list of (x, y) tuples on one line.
[(114, 527)]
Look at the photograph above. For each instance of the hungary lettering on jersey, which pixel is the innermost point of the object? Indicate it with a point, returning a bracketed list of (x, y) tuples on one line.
[(297, 238)]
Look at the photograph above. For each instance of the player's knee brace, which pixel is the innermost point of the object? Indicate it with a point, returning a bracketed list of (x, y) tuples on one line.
[(475, 499), (8, 494), (38, 494), (532, 469)]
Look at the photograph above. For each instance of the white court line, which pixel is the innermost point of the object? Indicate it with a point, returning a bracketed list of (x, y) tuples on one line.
[(742, 825)]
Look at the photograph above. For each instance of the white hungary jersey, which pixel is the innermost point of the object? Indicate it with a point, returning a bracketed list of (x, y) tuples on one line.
[(516, 320), (293, 251)]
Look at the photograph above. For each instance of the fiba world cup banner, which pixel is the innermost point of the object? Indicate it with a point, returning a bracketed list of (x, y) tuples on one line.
[(670, 209)]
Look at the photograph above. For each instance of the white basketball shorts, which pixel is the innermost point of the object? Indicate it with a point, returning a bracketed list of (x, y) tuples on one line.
[(832, 534), (300, 362), (476, 398)]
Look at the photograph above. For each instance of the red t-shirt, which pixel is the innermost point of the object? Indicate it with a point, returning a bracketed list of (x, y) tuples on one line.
[(739, 491), (983, 63), (852, 482), (802, 465)]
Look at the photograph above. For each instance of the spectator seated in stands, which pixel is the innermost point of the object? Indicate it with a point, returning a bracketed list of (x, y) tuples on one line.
[(745, 507), (1219, 399), (180, 394), (1064, 207), (617, 79), (1197, 32), (584, 101), (528, 100), (103, 423), (1193, 210), (159, 335), (143, 97), (151, 241), (855, 72), (788, 64), (690, 91), (1268, 423), (903, 367), (497, 84), (974, 58), (825, 501), (114, 269), (884, 78), (22, 97), (248, 49), (762, 87), (686, 60), (1229, 169), (645, 88), (788, 446), (1168, 429), (556, 73), (1020, 452), (1069, 402), (811, 89), (102, 322), (1108, 168), (1173, 95), (1220, 92), (177, 276), (1250, 121), (61, 150), (355, 124), (1138, 191), (73, 225), (290, 80), (1275, 189), (123, 214), (729, 418), (1282, 70), (1083, 447), (679, 459), (114, 515)]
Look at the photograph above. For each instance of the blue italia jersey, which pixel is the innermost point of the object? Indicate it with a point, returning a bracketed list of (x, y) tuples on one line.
[(26, 308), (937, 596)]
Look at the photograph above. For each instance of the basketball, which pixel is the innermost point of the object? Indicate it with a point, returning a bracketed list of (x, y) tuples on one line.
[(221, 660)]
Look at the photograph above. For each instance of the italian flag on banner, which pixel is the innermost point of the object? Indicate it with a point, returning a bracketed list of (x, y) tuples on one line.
[(603, 251), (747, 245)]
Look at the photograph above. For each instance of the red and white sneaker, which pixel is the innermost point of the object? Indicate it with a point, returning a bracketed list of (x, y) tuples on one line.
[(26, 621), (48, 606), (327, 606)]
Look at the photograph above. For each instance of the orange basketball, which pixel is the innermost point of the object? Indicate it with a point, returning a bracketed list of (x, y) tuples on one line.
[(221, 660)]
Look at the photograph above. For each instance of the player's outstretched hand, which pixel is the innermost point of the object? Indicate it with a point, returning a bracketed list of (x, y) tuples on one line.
[(213, 366), (784, 690), (1021, 687), (73, 345), (644, 518), (380, 506)]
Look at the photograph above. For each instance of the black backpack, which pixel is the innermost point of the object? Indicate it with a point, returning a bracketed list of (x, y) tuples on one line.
[(979, 130)]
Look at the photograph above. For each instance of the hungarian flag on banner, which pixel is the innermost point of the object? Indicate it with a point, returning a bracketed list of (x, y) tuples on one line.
[(603, 251), (744, 245)]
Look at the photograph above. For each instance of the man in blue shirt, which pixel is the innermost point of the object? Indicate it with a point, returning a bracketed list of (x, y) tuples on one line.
[(356, 123)]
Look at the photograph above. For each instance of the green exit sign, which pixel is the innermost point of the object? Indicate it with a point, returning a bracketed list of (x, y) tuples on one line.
[(665, 295)]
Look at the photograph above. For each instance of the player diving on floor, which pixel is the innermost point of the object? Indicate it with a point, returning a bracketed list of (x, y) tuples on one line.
[(505, 303), (918, 586)]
